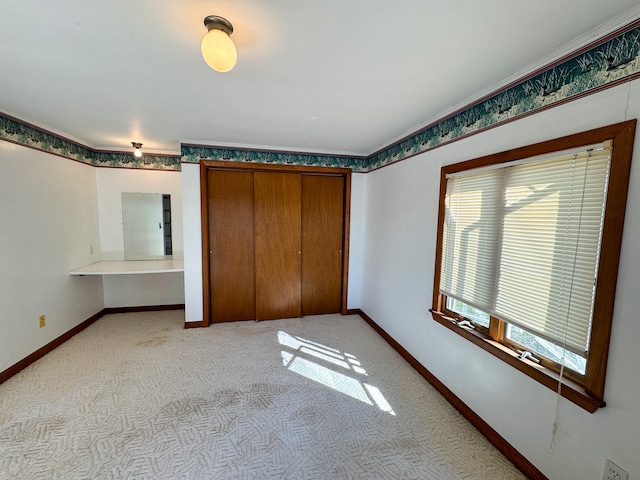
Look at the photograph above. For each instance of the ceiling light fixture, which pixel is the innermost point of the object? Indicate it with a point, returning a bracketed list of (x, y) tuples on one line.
[(217, 47), (136, 149)]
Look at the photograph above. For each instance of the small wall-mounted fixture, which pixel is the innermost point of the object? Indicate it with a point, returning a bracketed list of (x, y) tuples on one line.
[(136, 149), (217, 47)]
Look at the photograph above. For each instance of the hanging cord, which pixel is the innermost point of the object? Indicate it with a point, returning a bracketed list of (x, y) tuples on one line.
[(556, 421), (626, 108)]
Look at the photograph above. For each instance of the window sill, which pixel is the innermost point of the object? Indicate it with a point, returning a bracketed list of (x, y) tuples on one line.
[(570, 390)]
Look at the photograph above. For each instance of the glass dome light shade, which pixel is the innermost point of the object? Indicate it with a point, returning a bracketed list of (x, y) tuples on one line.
[(218, 50), (136, 149)]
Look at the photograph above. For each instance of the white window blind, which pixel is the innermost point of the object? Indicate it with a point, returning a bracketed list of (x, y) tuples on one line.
[(471, 233), (522, 243)]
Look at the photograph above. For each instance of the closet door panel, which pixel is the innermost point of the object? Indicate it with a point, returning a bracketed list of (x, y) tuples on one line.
[(322, 227), (278, 237), (231, 245)]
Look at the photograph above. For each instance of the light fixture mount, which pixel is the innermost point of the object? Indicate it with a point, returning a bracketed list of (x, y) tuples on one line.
[(214, 22)]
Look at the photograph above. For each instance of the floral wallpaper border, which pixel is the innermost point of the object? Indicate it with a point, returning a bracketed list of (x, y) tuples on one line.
[(610, 61), (15, 131), (195, 153)]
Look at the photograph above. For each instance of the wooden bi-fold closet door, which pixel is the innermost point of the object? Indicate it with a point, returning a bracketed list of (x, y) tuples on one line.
[(322, 231), (275, 241), (231, 245), (278, 244)]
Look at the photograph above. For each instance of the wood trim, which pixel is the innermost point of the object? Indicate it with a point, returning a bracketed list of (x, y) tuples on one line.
[(547, 377), (345, 240), (610, 250), (197, 324), (273, 167), (146, 308), (204, 222), (524, 465), (41, 352), (436, 301), (257, 167), (496, 329)]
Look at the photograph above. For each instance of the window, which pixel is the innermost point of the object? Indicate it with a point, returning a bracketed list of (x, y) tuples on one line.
[(527, 255)]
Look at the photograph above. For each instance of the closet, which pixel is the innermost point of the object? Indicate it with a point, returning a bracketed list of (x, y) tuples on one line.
[(274, 241)]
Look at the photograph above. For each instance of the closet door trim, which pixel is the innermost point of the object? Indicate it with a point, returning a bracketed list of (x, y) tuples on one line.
[(206, 165)]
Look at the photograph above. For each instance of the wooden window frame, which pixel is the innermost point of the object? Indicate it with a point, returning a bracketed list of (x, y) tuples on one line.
[(588, 391)]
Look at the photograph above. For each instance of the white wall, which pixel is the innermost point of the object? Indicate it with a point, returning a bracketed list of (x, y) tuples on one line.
[(137, 290), (356, 238), (48, 223), (193, 241), (399, 247)]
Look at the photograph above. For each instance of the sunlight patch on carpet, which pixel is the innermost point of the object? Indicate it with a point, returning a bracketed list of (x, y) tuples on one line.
[(297, 360)]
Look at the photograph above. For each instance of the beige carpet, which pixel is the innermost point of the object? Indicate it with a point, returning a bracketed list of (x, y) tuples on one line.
[(137, 396)]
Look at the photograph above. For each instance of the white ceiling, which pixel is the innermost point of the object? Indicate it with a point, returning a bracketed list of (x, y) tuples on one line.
[(326, 76)]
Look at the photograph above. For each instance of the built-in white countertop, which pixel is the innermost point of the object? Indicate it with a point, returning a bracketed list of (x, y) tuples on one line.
[(130, 267)]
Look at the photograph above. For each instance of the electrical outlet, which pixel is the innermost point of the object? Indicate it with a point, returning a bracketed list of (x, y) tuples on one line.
[(42, 320), (613, 472)]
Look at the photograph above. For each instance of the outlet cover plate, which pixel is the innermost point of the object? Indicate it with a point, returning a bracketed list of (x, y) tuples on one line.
[(613, 472)]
